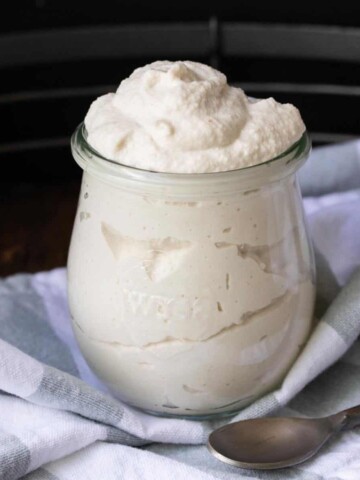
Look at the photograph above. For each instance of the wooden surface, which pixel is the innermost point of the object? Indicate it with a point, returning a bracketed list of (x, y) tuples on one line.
[(35, 226)]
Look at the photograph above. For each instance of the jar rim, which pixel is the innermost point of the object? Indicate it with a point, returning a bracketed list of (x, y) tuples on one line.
[(91, 160)]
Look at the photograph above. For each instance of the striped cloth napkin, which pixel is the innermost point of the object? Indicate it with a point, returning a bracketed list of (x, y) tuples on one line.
[(58, 422)]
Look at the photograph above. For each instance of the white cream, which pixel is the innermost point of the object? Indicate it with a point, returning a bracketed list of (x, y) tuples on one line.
[(183, 117), (190, 304)]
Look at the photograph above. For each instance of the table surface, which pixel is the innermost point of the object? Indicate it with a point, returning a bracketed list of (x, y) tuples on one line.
[(35, 227)]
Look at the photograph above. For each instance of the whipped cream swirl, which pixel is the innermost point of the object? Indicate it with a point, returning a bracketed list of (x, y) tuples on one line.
[(183, 117)]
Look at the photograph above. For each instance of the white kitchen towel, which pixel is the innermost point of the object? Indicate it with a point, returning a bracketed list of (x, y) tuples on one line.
[(57, 421)]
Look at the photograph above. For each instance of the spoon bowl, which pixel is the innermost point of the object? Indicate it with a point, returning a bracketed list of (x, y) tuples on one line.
[(276, 442)]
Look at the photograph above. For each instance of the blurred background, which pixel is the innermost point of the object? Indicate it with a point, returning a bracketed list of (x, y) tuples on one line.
[(58, 56)]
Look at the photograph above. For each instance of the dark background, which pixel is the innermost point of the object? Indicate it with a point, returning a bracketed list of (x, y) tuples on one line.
[(29, 14), (57, 56)]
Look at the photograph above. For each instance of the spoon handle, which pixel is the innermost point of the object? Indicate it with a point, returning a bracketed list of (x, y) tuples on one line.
[(352, 416)]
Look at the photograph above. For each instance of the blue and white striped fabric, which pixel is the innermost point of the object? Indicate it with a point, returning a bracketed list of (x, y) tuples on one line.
[(57, 422)]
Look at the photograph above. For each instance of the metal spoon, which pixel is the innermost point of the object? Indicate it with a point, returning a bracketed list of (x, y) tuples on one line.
[(277, 442)]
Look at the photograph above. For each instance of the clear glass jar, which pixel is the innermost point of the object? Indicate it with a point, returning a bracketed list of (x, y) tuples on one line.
[(191, 294)]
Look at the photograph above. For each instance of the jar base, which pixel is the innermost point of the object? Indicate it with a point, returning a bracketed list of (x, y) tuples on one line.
[(184, 416)]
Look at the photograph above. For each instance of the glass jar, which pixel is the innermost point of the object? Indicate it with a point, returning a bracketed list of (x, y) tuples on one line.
[(191, 294)]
